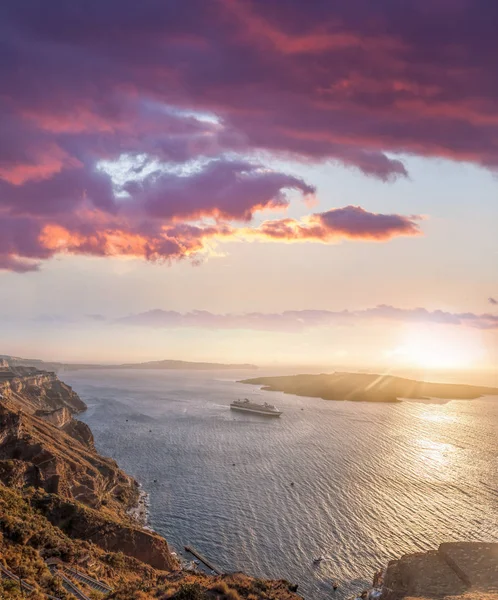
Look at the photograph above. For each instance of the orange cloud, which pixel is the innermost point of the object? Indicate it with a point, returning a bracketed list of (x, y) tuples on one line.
[(348, 223)]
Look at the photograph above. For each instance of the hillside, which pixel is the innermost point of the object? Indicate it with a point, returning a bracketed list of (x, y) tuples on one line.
[(30, 543), (366, 387), (155, 364), (63, 507)]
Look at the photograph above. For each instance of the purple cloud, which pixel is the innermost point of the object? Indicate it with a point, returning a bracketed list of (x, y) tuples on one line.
[(303, 319), (350, 222), (210, 89)]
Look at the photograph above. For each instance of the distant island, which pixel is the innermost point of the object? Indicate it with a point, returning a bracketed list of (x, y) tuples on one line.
[(367, 387), (155, 364)]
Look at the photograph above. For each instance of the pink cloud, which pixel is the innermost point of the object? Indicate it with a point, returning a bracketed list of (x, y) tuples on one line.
[(350, 222), (304, 319), (211, 88)]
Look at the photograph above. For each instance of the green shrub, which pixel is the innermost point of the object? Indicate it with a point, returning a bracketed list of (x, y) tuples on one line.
[(190, 591), (115, 559), (10, 587), (221, 587)]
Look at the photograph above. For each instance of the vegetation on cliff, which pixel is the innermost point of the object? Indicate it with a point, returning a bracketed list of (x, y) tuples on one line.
[(29, 537)]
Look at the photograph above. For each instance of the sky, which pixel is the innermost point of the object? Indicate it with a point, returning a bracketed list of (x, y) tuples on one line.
[(243, 181)]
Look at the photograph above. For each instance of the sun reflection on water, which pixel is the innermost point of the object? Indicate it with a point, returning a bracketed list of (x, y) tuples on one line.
[(438, 417), (437, 452)]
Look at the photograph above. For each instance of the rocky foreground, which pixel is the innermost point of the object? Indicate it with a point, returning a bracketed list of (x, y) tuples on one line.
[(65, 521), (462, 570)]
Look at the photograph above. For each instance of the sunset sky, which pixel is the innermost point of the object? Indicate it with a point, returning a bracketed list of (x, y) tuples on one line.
[(308, 182)]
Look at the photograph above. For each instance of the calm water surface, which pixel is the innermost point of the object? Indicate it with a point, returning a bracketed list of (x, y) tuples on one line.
[(371, 481)]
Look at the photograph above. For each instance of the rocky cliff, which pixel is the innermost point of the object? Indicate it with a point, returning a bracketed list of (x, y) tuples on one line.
[(34, 390), (43, 447), (59, 499), (460, 570)]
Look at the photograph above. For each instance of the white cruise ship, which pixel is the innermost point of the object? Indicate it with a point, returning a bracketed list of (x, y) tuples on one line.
[(268, 410)]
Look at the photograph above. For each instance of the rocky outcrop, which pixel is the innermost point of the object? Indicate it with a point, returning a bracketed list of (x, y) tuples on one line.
[(81, 432), (460, 569), (58, 417), (42, 394), (43, 447), (54, 451), (106, 532), (40, 390), (61, 464)]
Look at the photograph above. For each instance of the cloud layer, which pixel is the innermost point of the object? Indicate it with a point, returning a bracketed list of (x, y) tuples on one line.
[(203, 90), (304, 319)]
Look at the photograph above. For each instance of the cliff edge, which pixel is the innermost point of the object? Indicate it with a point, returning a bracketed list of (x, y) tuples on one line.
[(85, 494), (457, 570)]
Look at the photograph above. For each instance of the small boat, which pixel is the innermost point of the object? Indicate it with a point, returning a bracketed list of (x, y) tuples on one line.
[(319, 559)]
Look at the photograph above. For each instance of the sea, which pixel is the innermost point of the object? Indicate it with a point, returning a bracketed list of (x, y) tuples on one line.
[(358, 483)]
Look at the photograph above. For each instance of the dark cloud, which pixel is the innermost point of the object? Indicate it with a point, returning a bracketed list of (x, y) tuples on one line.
[(360, 83), (349, 81), (228, 189), (17, 265), (77, 213)]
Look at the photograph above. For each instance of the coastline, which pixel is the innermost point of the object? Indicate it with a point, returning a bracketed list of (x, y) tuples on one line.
[(140, 513)]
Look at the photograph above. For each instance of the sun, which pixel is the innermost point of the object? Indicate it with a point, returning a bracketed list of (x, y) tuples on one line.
[(439, 347)]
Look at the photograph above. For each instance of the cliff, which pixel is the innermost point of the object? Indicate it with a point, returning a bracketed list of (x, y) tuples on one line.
[(33, 390), (60, 500), (460, 570), (30, 543), (43, 447)]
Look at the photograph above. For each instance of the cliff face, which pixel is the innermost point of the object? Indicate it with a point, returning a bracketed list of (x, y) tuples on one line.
[(60, 464), (62, 499), (106, 531), (463, 570), (42, 446), (34, 390)]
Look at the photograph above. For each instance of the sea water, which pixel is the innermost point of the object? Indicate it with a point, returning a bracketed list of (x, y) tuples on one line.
[(361, 483)]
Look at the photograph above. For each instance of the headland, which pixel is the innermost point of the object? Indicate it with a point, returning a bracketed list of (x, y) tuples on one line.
[(367, 387)]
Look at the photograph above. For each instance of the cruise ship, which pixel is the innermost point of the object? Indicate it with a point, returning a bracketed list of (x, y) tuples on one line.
[(261, 409)]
